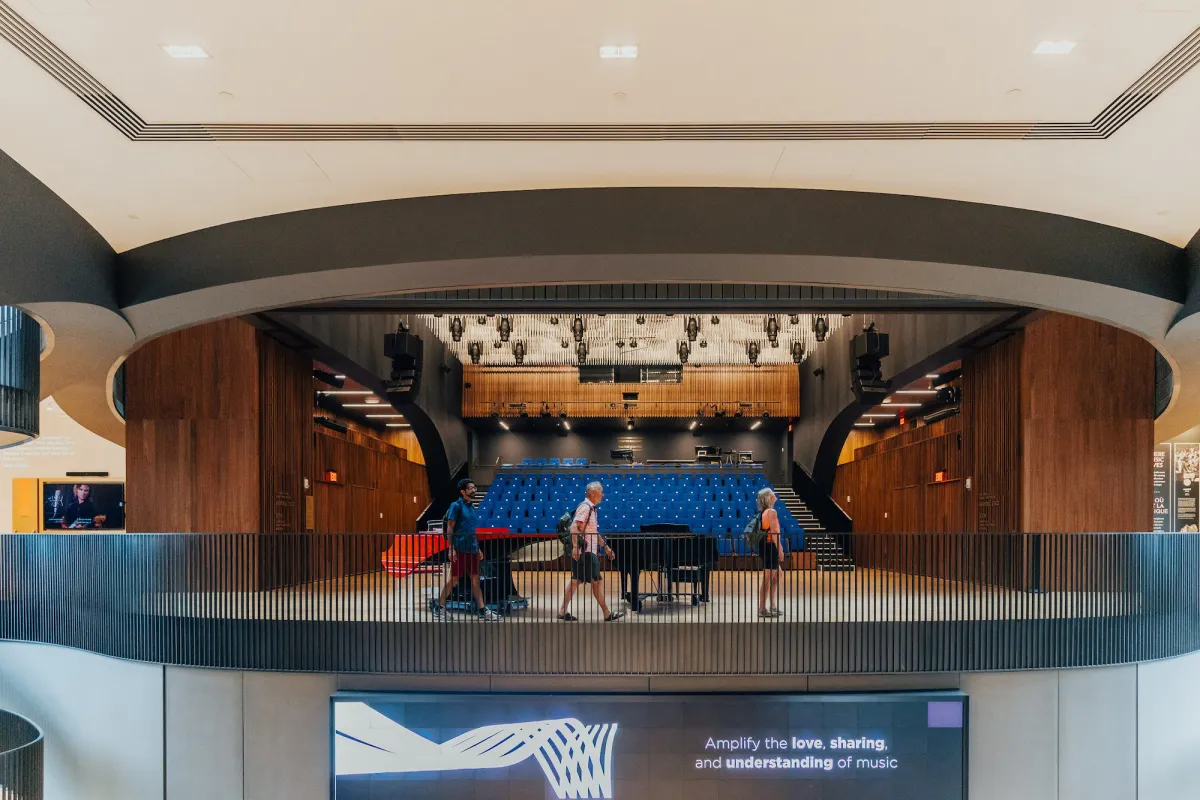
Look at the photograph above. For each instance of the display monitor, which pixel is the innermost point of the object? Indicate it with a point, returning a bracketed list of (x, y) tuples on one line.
[(83, 506), (896, 746)]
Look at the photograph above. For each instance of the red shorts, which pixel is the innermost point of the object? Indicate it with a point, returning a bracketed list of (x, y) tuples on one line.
[(465, 564)]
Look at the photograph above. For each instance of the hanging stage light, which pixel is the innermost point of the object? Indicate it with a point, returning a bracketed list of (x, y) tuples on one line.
[(475, 351), (797, 351), (715, 320), (641, 320), (519, 352), (684, 351), (456, 329), (692, 326), (821, 328), (504, 326), (772, 329), (794, 319), (554, 320), (752, 351), (578, 328), (481, 320), (581, 352)]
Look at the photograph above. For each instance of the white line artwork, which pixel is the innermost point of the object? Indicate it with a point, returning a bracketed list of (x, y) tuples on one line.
[(576, 758)]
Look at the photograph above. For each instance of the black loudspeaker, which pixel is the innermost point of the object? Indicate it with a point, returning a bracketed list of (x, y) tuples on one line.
[(407, 352), (867, 350)]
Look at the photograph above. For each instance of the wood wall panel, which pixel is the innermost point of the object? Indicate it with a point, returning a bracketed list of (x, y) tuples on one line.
[(1088, 410), (192, 405), (773, 388), (991, 412), (285, 380)]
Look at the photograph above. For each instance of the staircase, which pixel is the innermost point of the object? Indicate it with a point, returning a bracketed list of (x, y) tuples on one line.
[(829, 553)]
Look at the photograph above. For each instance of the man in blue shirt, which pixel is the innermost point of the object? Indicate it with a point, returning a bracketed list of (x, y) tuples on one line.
[(464, 551)]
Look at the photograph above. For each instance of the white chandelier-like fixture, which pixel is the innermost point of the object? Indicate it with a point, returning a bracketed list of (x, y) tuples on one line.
[(540, 340)]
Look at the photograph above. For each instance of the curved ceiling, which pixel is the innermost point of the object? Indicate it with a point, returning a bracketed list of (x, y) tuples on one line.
[(769, 72)]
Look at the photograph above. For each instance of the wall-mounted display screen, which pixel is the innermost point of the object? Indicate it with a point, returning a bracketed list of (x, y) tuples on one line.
[(907, 746), (83, 506)]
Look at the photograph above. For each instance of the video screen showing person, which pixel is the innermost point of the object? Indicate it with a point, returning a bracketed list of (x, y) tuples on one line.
[(83, 506)]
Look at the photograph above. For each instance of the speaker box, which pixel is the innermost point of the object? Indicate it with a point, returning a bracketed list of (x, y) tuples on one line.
[(407, 352)]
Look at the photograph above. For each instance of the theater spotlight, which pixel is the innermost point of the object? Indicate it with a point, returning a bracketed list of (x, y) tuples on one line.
[(772, 330), (629, 424), (797, 351), (820, 327), (554, 320), (456, 329), (519, 352), (684, 351), (475, 351), (692, 328), (794, 319), (715, 320), (565, 344), (641, 320), (481, 320), (633, 344), (504, 326), (581, 352), (752, 351), (578, 328)]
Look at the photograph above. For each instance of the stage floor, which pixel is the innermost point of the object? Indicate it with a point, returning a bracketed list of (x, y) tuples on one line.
[(805, 596)]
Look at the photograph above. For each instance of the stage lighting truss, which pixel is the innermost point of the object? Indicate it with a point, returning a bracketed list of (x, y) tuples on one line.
[(608, 339)]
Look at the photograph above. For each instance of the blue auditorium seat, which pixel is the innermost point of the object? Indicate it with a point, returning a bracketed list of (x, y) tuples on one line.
[(568, 462), (539, 462), (554, 462), (526, 462)]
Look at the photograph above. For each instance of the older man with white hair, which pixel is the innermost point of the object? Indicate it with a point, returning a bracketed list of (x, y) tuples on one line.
[(586, 544)]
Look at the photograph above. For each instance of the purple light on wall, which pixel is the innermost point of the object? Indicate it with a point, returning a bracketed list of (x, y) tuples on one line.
[(945, 714)]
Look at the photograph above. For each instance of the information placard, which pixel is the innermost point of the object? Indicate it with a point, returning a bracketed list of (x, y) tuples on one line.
[(1163, 484), (899, 746), (1187, 491)]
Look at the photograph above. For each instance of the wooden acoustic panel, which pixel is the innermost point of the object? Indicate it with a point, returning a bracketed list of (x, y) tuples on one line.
[(774, 389)]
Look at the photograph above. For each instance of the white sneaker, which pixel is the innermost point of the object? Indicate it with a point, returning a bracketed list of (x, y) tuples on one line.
[(489, 615)]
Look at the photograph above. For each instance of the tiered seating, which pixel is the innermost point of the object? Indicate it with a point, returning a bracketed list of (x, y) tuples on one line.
[(717, 502)]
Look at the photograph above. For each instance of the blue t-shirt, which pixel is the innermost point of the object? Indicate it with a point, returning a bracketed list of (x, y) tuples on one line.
[(463, 539)]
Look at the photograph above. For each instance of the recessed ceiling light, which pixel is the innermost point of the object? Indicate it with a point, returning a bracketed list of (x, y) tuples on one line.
[(1054, 47), (618, 51), (185, 51)]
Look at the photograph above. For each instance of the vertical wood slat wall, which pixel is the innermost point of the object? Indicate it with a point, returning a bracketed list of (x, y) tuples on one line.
[(492, 388)]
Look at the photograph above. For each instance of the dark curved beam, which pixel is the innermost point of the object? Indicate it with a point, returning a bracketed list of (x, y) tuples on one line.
[(48, 253), (717, 221)]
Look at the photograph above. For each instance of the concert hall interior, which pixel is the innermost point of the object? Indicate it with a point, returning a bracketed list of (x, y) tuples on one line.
[(707, 400)]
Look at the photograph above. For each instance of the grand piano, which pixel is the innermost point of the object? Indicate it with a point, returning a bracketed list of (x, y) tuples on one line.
[(679, 560)]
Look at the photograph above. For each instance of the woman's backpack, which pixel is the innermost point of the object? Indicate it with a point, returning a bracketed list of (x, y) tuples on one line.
[(754, 532)]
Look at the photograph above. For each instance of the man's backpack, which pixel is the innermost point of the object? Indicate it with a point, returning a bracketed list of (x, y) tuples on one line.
[(565, 525), (754, 532)]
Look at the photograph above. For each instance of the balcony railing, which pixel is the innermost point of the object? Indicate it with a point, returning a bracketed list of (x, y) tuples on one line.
[(914, 603), (21, 758)]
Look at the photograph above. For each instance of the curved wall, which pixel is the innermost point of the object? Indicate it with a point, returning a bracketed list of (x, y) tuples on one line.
[(118, 730)]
